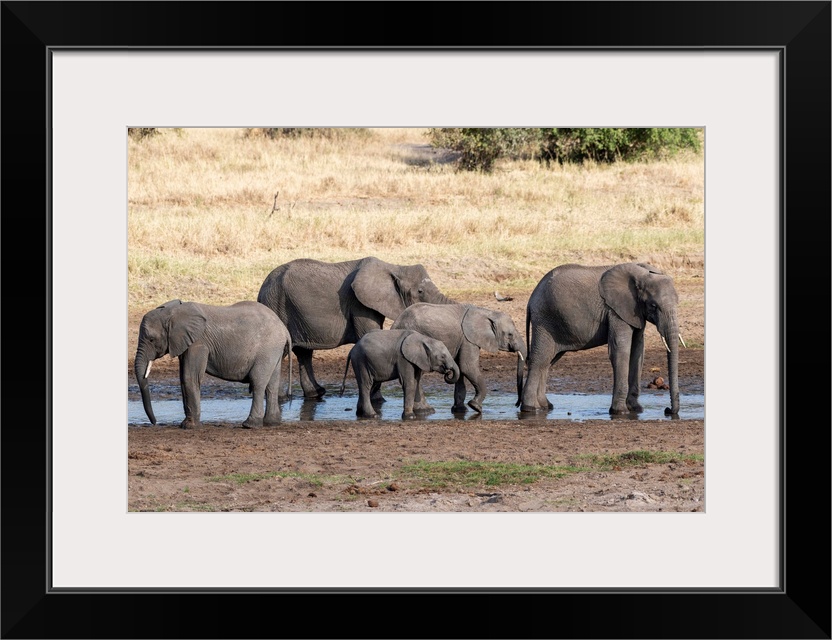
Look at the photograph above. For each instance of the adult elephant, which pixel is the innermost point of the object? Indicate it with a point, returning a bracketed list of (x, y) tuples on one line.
[(326, 305), (576, 307), (465, 329), (243, 342)]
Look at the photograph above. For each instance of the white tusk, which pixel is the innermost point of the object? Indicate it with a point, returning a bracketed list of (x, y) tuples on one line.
[(664, 342), (520, 355), (682, 340), (147, 373)]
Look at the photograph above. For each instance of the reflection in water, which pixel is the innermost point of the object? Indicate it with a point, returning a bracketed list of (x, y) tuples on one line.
[(497, 406)]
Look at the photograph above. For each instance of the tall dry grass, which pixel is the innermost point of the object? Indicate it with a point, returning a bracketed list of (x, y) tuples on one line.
[(212, 211)]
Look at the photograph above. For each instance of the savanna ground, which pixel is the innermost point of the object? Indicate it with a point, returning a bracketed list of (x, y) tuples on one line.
[(211, 212)]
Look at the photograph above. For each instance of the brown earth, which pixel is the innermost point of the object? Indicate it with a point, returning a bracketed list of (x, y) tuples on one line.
[(349, 465)]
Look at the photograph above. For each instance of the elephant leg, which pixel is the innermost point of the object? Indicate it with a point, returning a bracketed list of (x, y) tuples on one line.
[(375, 394), (410, 379), (460, 391), (420, 403), (470, 361), (311, 388), (192, 365), (620, 339), (542, 355), (273, 412), (636, 363), (365, 383)]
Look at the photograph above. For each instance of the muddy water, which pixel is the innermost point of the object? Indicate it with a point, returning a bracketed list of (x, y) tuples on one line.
[(233, 406)]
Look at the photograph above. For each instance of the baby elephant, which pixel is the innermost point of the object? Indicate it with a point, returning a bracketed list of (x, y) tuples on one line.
[(244, 342), (386, 354)]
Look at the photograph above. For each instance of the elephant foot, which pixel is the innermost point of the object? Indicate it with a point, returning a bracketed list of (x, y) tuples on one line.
[(670, 412), (315, 394), (363, 413), (271, 422), (635, 408), (528, 408), (251, 423), (619, 411), (408, 416), (459, 408), (476, 406), (425, 410), (190, 423)]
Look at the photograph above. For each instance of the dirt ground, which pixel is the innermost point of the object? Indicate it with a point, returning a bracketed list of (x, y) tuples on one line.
[(348, 465)]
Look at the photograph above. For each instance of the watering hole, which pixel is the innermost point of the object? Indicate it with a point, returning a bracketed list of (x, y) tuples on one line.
[(232, 404)]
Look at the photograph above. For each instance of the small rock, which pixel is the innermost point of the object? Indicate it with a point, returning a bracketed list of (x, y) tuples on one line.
[(312, 494), (393, 487), (372, 503)]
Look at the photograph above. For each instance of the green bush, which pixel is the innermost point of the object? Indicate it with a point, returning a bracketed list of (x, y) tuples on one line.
[(612, 145), (480, 148), (140, 133)]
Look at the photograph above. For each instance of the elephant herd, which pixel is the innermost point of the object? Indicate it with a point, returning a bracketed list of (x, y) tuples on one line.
[(321, 305)]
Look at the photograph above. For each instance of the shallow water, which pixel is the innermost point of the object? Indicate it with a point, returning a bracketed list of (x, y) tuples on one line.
[(497, 406)]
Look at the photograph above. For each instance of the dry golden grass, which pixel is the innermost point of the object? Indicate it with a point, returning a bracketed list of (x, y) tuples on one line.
[(204, 223)]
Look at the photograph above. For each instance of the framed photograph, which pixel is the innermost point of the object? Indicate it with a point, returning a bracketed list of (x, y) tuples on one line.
[(754, 77)]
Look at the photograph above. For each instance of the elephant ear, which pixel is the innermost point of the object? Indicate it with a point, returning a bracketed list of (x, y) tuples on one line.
[(479, 329), (375, 286), (170, 303), (619, 289), (416, 351), (186, 324)]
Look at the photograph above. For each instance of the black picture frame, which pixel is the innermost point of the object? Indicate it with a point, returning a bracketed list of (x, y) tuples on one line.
[(800, 608)]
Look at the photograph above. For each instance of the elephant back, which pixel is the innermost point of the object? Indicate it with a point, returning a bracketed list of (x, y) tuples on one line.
[(440, 321), (310, 297)]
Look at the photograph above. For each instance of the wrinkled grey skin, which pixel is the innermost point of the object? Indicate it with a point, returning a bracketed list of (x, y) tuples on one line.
[(465, 329), (576, 307), (325, 305), (244, 342), (388, 354)]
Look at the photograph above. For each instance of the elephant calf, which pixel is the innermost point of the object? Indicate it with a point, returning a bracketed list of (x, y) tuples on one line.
[(244, 342), (387, 354), (465, 329)]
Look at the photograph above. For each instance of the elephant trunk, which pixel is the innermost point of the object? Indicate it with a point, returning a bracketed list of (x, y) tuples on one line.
[(671, 338), (142, 369), (522, 354), (452, 374)]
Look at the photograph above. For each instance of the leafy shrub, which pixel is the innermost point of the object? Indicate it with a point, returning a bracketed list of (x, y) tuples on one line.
[(140, 133), (611, 145), (480, 148)]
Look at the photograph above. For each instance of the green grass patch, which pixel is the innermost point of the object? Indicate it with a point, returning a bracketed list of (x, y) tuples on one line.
[(468, 473), (606, 462), (472, 473)]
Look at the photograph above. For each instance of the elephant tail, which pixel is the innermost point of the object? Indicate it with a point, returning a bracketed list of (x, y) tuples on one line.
[(346, 369)]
